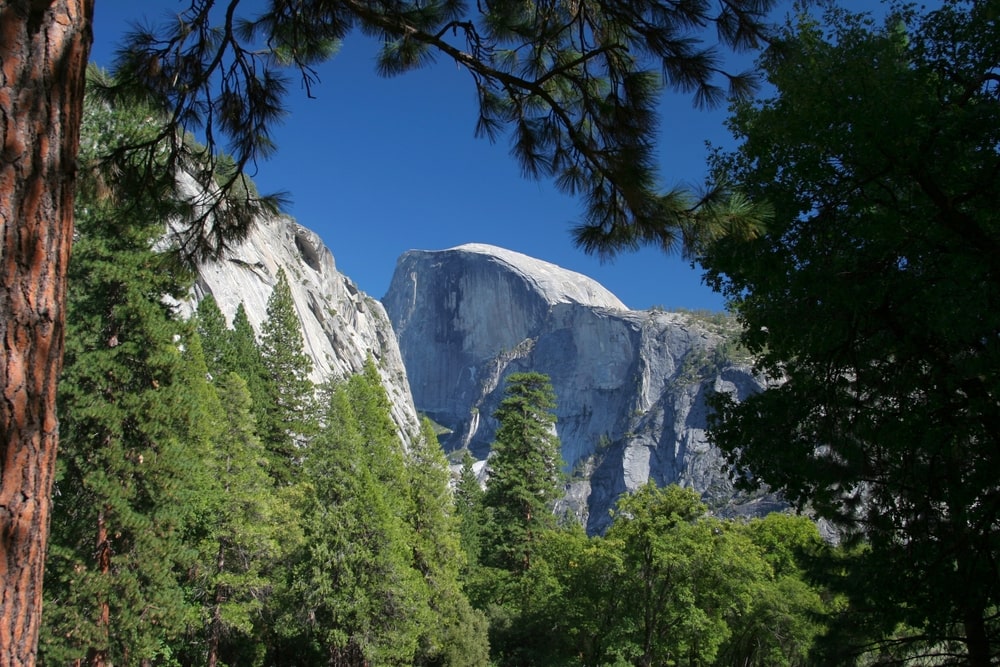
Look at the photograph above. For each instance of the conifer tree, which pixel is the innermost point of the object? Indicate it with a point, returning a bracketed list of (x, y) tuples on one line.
[(469, 509), (457, 633), (243, 356), (524, 470), (577, 87), (216, 338), (250, 529), (130, 468), (355, 597), (288, 411)]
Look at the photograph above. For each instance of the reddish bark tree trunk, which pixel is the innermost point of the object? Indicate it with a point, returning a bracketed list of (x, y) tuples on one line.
[(43, 55)]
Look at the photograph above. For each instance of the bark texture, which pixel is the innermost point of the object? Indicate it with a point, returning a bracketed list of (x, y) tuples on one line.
[(44, 46)]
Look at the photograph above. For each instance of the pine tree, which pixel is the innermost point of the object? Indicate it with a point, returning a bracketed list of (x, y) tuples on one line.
[(242, 355), (44, 53), (354, 593), (288, 413), (524, 470), (580, 104), (250, 530), (457, 633), (470, 510), (130, 467), (216, 338)]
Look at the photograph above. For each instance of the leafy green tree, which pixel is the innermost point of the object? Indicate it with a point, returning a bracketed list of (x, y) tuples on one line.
[(525, 471), (787, 612), (131, 463), (288, 411), (870, 301), (685, 576), (590, 604)]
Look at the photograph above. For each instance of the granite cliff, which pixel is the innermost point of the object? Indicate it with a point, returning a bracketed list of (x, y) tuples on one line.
[(341, 325), (630, 385)]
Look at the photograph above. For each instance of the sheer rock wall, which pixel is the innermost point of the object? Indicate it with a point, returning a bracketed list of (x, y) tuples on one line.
[(341, 325), (630, 385)]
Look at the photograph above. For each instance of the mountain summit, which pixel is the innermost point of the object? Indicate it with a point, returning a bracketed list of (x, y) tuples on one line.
[(630, 385)]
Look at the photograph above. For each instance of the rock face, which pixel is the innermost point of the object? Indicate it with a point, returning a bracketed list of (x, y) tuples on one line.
[(630, 385), (341, 325)]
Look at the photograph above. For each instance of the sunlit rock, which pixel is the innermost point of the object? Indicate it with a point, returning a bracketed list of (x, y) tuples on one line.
[(630, 385)]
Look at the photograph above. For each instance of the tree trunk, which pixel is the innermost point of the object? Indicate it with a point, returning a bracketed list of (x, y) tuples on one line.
[(215, 627), (43, 55), (97, 656), (976, 640)]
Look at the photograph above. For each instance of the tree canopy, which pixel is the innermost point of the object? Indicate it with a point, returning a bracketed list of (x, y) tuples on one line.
[(574, 86), (871, 301)]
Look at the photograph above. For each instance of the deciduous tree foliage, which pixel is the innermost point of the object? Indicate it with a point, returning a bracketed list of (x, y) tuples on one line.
[(685, 574), (872, 303), (787, 612)]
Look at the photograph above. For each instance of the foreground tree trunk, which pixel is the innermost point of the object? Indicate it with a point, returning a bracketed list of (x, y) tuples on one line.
[(43, 55)]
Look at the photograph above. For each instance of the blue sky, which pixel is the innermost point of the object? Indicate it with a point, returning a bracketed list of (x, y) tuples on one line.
[(380, 166)]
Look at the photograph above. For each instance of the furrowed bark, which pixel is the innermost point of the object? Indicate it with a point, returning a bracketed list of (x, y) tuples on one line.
[(43, 55)]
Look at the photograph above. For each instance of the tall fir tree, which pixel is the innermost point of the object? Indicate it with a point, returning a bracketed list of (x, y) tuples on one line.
[(216, 338), (249, 531), (242, 356), (470, 510), (525, 470), (355, 596), (288, 412), (130, 469), (457, 635)]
